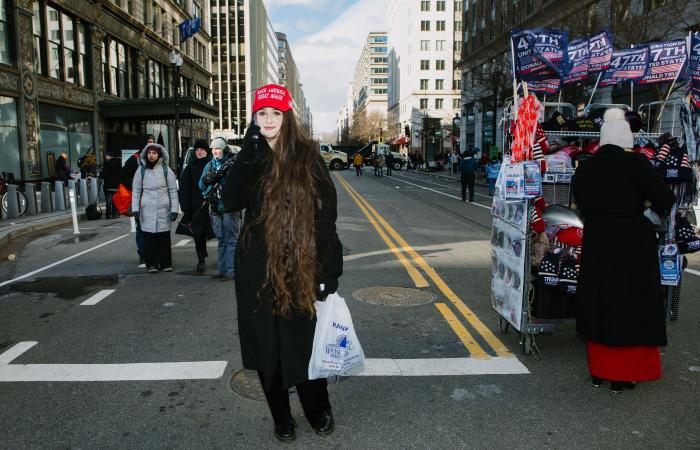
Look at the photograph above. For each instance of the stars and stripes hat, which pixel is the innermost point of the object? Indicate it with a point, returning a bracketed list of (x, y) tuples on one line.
[(568, 276), (685, 237), (549, 268)]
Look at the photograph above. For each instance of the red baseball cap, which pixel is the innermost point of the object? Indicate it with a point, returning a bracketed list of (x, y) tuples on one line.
[(273, 96)]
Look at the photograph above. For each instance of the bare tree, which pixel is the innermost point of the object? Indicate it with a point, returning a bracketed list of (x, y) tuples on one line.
[(368, 126)]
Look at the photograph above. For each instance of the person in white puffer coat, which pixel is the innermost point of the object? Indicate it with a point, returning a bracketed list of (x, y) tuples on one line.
[(154, 203)]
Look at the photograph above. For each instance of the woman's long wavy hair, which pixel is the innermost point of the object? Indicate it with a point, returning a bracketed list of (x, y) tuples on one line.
[(289, 201)]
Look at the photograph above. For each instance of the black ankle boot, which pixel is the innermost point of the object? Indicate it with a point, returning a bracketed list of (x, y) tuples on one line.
[(201, 266), (597, 382), (285, 430), (326, 424)]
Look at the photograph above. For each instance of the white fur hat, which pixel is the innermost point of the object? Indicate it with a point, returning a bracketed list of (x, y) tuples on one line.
[(615, 129)]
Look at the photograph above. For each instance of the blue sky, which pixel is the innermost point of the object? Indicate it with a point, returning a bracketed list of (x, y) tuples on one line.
[(326, 38)]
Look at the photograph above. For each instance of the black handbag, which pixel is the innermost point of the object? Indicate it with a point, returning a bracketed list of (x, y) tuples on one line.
[(185, 228)]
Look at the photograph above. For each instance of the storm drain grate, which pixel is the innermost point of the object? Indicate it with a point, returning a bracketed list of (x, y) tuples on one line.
[(393, 296), (247, 384)]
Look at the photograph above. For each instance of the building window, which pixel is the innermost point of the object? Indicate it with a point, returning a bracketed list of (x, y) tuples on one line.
[(65, 60), (530, 6), (456, 85), (439, 85), (458, 46), (425, 5), (9, 138), (379, 81), (379, 49), (196, 9), (440, 5), (440, 25), (424, 103), (5, 32), (379, 70), (84, 72), (458, 6), (155, 81), (423, 85), (458, 25), (39, 52), (440, 64), (425, 25), (425, 46), (424, 64), (440, 45), (439, 103), (455, 104)]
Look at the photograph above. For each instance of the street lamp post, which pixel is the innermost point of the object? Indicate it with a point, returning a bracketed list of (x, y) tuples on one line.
[(456, 131), (176, 62)]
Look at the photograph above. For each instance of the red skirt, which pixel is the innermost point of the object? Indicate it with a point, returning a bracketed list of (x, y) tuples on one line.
[(639, 363)]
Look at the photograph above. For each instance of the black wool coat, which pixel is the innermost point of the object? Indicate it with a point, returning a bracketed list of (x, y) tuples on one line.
[(269, 340), (191, 200), (110, 173), (619, 300)]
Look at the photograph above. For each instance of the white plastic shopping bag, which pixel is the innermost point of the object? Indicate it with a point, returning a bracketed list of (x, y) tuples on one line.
[(336, 349)]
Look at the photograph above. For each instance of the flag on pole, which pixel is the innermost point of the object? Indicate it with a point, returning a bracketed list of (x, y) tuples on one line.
[(579, 58), (600, 47), (693, 68), (189, 28), (667, 62), (626, 65), (540, 54)]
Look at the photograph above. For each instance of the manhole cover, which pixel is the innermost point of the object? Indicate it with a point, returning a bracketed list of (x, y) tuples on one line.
[(393, 296), (246, 383)]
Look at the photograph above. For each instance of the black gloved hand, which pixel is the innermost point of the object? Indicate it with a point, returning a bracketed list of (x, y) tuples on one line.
[(211, 177), (252, 145), (173, 216), (329, 287)]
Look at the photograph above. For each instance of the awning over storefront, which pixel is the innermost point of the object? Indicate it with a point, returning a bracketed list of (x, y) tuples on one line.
[(157, 109), (401, 140)]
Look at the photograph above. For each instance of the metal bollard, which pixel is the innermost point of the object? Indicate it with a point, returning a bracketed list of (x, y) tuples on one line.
[(30, 193), (12, 206), (92, 193), (45, 197), (101, 191), (59, 199), (83, 194)]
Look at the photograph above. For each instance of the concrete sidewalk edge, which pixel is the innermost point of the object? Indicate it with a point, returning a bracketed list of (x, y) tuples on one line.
[(39, 224)]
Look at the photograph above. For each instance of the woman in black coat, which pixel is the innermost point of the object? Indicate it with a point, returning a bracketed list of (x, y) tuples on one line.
[(288, 255), (191, 201), (620, 310)]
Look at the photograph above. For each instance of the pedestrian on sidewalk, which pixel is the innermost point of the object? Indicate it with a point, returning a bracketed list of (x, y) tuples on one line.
[(110, 182), (155, 206), (358, 161), (126, 177), (226, 222), (455, 162), (468, 166), (492, 169), (375, 163), (381, 160), (192, 202), (289, 256), (62, 168), (389, 163), (620, 306)]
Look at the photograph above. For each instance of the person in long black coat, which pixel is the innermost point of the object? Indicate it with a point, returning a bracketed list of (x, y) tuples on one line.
[(191, 202), (276, 344), (110, 178), (620, 310), (62, 168)]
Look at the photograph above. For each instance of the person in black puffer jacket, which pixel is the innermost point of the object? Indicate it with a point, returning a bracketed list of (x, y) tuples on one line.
[(191, 201)]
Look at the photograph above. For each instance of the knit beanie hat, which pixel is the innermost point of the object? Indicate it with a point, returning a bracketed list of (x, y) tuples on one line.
[(687, 240), (549, 269), (220, 143), (571, 236), (568, 276), (201, 143), (616, 130)]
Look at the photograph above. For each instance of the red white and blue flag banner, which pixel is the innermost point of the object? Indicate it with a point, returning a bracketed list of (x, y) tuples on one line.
[(693, 69), (600, 46), (540, 54), (579, 57), (667, 61), (549, 86), (626, 65)]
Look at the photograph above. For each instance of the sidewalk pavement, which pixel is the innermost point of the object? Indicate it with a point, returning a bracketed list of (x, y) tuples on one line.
[(11, 229)]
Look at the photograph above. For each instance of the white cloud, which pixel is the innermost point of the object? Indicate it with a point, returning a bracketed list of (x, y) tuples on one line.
[(326, 59), (269, 4)]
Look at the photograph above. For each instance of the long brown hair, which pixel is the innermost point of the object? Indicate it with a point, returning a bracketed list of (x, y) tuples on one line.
[(289, 199)]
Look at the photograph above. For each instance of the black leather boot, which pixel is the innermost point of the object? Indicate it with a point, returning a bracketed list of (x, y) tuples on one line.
[(285, 430), (326, 424)]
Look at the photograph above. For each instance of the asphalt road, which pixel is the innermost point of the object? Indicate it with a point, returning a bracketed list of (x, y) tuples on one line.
[(148, 362)]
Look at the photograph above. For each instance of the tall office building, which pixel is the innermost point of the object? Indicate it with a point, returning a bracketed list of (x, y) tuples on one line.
[(370, 80), (244, 57), (344, 119), (289, 77), (79, 77), (424, 43)]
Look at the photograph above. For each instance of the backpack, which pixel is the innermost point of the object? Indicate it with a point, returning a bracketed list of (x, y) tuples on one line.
[(93, 211)]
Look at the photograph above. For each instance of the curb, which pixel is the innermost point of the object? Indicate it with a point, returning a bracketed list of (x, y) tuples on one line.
[(23, 229)]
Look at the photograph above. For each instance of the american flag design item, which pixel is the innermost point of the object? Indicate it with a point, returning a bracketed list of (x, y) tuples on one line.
[(685, 237), (626, 65), (579, 59), (600, 46), (667, 61), (693, 69), (549, 269), (568, 276)]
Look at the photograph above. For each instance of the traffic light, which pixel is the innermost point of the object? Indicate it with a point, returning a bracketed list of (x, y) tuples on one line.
[(407, 130)]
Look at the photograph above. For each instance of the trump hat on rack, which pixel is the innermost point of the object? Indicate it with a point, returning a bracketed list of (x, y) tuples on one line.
[(273, 96)]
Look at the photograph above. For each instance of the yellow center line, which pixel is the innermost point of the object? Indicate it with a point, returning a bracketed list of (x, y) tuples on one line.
[(418, 280), (493, 341), (474, 348)]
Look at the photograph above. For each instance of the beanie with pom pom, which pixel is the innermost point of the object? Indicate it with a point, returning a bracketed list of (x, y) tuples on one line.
[(615, 129)]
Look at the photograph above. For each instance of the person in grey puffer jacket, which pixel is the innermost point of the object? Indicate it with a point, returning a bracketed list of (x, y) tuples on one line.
[(154, 204)]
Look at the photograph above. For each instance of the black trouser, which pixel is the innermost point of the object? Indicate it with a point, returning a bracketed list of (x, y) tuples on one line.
[(388, 169), (468, 181), (157, 249), (200, 244), (358, 171), (313, 395), (109, 204)]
